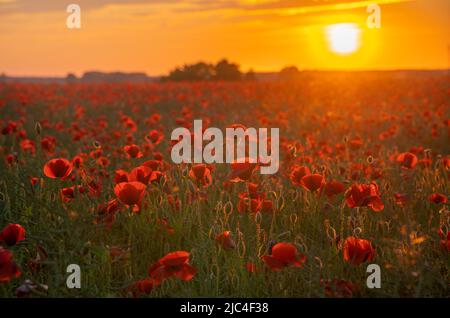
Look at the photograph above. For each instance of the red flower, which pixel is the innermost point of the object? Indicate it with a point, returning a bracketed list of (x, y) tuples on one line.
[(143, 286), (445, 240), (361, 195), (130, 193), (340, 288), (437, 198), (251, 268), (242, 171), (333, 188), (120, 176), (133, 151), (313, 182), (407, 160), (155, 136), (225, 240), (12, 234), (358, 251), (8, 268), (141, 174), (283, 255), (401, 199), (106, 213), (59, 168), (201, 174), (173, 264), (152, 164), (297, 173), (68, 194), (48, 143)]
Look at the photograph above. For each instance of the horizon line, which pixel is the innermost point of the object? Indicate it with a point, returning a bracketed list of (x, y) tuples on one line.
[(59, 76)]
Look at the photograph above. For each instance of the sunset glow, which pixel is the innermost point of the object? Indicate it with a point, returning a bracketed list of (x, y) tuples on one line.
[(156, 36)]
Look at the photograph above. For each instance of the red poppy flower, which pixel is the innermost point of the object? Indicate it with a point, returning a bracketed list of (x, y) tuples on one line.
[(141, 174), (106, 213), (77, 162), (120, 176), (333, 188), (12, 234), (250, 267), (156, 176), (242, 171), (298, 172), (313, 182), (340, 288), (407, 160), (133, 151), (362, 195), (48, 143), (437, 198), (175, 264), (355, 143), (59, 168), (358, 251), (401, 199), (445, 240), (225, 240), (130, 193), (8, 268), (201, 174), (28, 146), (67, 194), (155, 136), (141, 287), (152, 164), (283, 255)]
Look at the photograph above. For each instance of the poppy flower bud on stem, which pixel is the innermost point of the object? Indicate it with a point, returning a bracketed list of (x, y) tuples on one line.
[(38, 128), (96, 144)]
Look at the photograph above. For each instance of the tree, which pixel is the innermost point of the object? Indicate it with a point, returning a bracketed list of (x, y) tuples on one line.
[(226, 71), (289, 73), (250, 76), (223, 71)]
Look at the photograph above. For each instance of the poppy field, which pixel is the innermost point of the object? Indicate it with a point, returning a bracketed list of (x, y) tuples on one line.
[(86, 178)]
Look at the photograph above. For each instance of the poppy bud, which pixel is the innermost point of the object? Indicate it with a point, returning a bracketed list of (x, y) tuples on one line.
[(96, 144), (38, 128)]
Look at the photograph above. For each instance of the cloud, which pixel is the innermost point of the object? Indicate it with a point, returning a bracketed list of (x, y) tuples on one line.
[(299, 6)]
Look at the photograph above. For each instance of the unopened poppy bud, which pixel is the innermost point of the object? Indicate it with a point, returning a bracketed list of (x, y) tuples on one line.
[(2, 197), (38, 128), (357, 231), (258, 217)]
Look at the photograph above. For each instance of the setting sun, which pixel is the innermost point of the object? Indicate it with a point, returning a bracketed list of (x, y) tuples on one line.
[(343, 38)]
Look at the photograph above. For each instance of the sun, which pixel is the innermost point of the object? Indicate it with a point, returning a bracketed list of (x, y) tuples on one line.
[(343, 38)]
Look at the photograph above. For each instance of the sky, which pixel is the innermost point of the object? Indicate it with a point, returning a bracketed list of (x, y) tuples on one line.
[(155, 36)]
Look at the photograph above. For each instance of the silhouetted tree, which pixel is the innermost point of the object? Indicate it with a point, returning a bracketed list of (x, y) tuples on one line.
[(289, 73), (201, 71), (71, 77), (226, 71), (192, 72), (250, 76)]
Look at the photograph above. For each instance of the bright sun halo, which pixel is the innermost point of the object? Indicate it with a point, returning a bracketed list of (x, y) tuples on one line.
[(343, 38)]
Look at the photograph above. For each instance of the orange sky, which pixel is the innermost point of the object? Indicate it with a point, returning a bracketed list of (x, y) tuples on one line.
[(156, 35)]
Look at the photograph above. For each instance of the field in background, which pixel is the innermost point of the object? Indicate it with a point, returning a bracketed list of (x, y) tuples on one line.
[(383, 131)]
